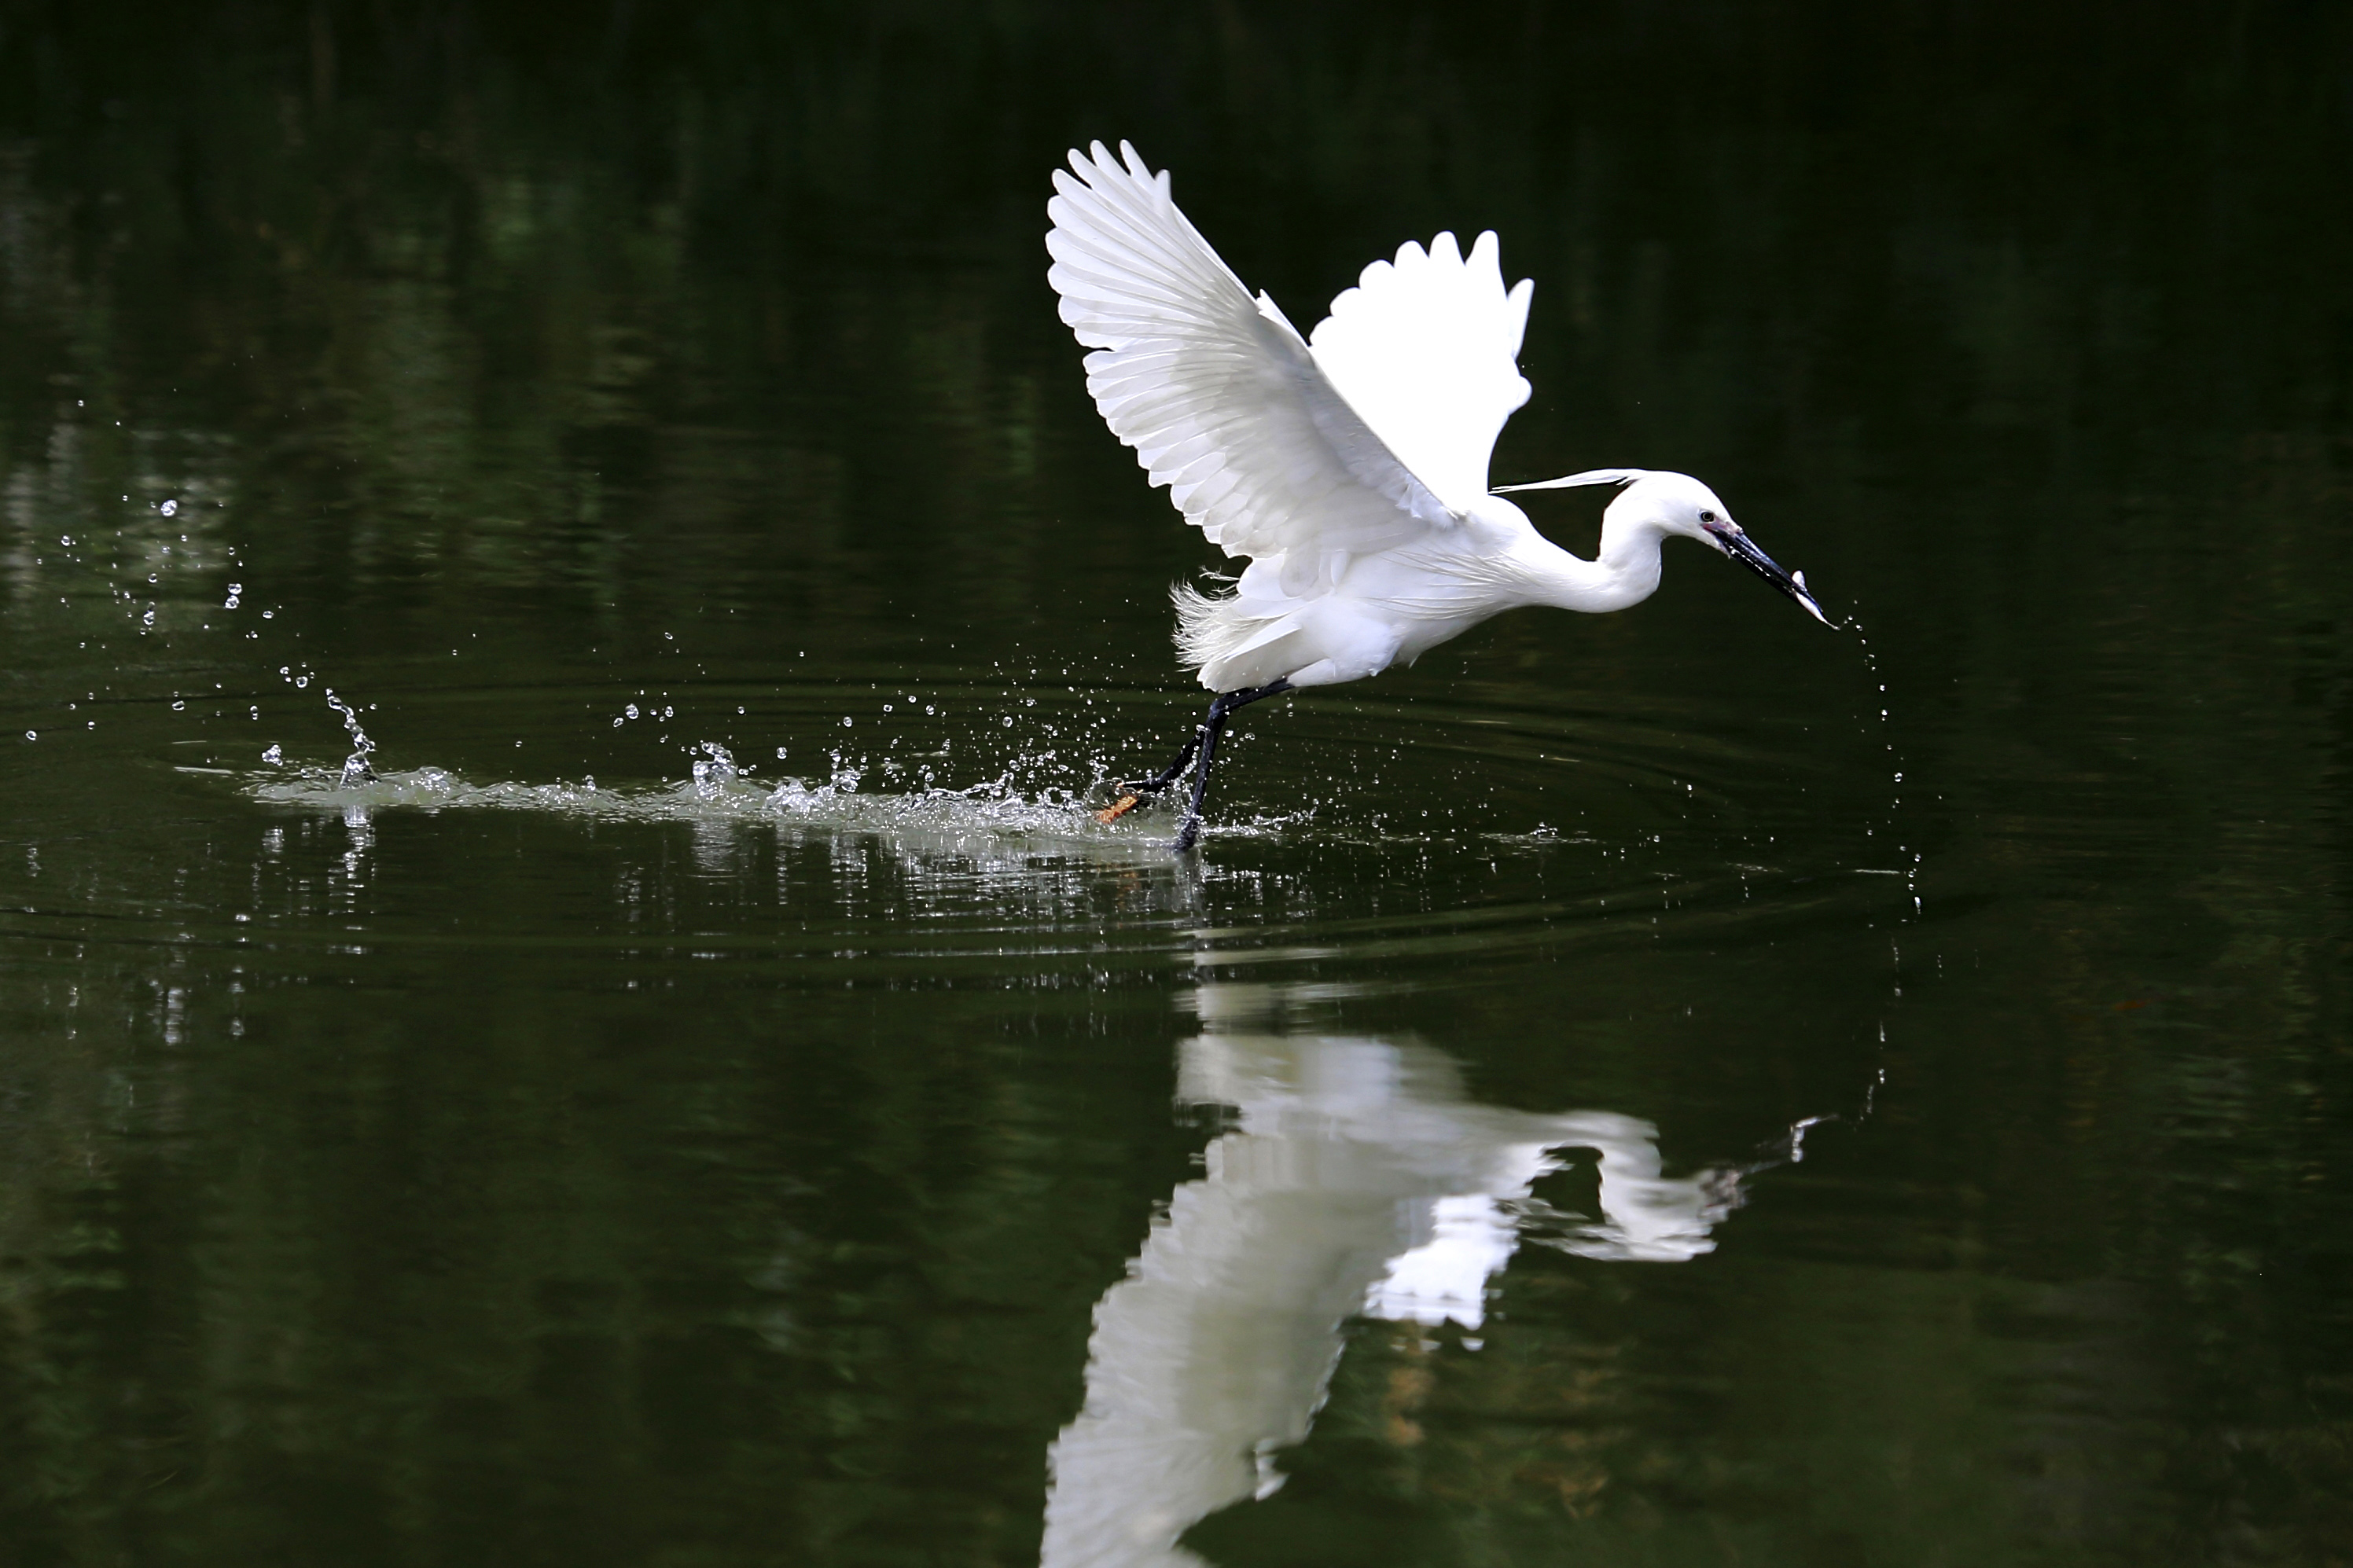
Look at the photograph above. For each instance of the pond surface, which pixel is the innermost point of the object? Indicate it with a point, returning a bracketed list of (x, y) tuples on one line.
[(1672, 1088)]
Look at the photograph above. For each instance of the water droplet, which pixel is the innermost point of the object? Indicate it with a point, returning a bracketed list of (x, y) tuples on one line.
[(32, 734), (273, 756), (718, 771), (179, 707), (171, 509), (629, 712)]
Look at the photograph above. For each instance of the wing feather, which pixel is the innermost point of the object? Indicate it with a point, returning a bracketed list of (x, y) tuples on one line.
[(1426, 349), (1217, 393)]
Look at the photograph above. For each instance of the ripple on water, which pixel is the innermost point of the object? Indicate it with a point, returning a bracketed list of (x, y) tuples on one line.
[(984, 847), (1381, 828), (900, 755)]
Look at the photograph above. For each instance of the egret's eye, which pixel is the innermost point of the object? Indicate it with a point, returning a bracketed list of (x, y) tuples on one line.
[(1707, 517)]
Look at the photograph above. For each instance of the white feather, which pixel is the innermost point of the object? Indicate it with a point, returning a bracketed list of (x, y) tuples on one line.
[(1571, 481), (1425, 348), (1217, 393)]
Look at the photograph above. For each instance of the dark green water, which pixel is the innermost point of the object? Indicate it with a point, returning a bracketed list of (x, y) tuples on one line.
[(772, 1166)]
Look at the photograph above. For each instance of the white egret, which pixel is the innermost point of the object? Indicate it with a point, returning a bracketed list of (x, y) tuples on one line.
[(1349, 466)]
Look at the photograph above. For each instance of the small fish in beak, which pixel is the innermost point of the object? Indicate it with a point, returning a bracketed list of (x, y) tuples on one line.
[(1733, 540)]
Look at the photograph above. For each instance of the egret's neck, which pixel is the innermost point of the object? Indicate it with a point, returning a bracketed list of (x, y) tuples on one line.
[(1625, 571)]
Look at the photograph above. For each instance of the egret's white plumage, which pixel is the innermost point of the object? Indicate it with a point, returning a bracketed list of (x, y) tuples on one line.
[(1348, 467), (1424, 348)]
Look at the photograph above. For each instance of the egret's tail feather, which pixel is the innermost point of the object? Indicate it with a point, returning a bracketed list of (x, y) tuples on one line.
[(1204, 632), (1215, 629)]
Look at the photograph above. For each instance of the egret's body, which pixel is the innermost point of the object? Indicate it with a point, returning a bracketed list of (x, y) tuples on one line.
[(1348, 467), (1393, 605)]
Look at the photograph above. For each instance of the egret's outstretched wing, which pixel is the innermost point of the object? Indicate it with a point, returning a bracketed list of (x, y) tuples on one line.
[(1425, 348), (1217, 392)]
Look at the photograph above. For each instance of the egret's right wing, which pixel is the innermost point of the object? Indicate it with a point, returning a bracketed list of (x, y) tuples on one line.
[(1426, 348), (1217, 392)]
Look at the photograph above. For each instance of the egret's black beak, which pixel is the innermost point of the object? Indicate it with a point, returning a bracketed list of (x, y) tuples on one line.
[(1730, 538)]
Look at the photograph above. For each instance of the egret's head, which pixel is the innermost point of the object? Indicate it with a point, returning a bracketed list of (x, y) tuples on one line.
[(1677, 503)]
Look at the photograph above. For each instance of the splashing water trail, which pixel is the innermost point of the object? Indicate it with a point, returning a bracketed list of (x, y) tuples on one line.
[(1908, 857), (358, 768), (991, 824)]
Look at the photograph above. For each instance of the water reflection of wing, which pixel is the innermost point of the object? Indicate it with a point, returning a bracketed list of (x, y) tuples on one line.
[(1358, 1180)]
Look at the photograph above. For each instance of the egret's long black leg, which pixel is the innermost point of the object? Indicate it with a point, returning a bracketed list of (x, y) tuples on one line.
[(1189, 831), (1129, 794), (1172, 772), (1195, 744)]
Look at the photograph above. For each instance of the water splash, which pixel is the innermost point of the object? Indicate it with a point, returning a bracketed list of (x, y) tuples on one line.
[(714, 771), (1908, 858), (985, 822), (358, 770)]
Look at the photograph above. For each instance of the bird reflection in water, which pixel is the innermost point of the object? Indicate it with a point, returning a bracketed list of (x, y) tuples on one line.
[(1356, 1179)]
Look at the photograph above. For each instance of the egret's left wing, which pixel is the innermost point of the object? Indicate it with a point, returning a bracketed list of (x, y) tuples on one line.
[(1216, 391), (1426, 348)]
